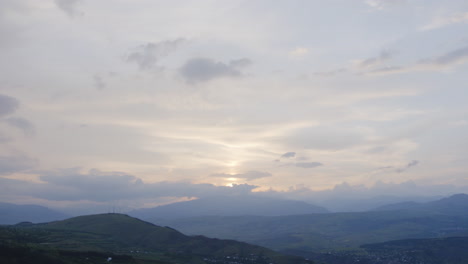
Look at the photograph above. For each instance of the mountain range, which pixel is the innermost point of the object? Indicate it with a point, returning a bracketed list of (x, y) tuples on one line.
[(324, 232), (228, 206), (14, 213)]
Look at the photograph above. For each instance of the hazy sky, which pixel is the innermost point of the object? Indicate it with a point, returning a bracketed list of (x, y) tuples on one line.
[(150, 101)]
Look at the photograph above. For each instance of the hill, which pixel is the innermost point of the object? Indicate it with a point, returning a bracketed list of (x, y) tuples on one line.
[(124, 235), (14, 213), (453, 205), (228, 206)]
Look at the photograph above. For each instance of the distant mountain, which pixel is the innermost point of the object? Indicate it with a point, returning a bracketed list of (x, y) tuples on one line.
[(122, 234), (353, 204), (14, 213), (324, 232), (455, 204), (228, 206)]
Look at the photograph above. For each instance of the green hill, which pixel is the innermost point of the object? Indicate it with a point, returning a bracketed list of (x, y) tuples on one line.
[(123, 235)]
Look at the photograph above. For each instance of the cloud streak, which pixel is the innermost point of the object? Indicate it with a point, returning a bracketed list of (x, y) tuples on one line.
[(308, 165), (147, 56), (441, 22), (449, 59), (14, 164), (250, 175), (204, 69), (98, 186)]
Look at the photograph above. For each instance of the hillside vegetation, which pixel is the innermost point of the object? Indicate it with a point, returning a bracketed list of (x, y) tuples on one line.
[(126, 236)]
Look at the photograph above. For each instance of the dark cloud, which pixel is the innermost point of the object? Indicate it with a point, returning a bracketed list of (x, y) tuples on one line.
[(69, 7), (452, 57), (23, 124), (308, 165), (204, 69), (250, 175), (289, 155), (99, 82), (409, 165), (98, 186), (8, 105), (375, 61), (147, 56), (12, 164)]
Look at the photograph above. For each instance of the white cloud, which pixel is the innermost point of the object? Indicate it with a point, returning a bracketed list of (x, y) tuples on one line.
[(382, 4), (249, 175), (440, 22), (299, 52)]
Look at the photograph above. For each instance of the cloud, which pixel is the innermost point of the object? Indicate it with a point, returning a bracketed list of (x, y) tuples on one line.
[(457, 56), (99, 82), (95, 185), (8, 105), (69, 7), (205, 69), (23, 124), (250, 175), (308, 164), (382, 4), (449, 59), (331, 73), (375, 61), (12, 164), (289, 155), (409, 165), (299, 52), (148, 55), (440, 22), (324, 137)]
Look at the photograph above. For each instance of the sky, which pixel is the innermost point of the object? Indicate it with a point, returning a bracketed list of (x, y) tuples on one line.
[(150, 102)]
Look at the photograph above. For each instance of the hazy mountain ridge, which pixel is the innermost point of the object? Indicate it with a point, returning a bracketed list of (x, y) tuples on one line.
[(228, 206), (316, 232), (15, 213), (455, 204)]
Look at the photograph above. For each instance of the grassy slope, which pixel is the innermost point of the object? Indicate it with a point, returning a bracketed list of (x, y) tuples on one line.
[(126, 235)]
